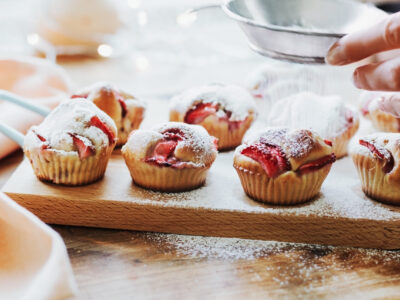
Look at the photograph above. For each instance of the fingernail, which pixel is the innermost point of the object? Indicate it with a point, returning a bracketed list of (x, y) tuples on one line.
[(335, 55)]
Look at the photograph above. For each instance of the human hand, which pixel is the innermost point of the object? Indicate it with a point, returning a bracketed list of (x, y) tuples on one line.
[(383, 76)]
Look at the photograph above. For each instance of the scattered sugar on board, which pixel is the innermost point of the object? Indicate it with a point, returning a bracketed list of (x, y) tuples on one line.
[(341, 195), (235, 248), (294, 264)]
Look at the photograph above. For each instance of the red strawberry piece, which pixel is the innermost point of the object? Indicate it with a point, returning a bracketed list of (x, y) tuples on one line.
[(95, 121), (201, 111), (164, 150), (83, 149), (365, 107), (123, 106), (349, 116), (173, 134), (271, 157), (231, 124), (328, 142), (389, 161), (79, 96), (372, 148), (317, 164), (215, 143), (163, 153), (45, 144)]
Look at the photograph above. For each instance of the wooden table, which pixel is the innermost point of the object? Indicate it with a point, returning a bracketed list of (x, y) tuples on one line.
[(118, 264)]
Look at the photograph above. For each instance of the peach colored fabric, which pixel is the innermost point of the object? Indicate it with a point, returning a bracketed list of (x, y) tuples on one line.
[(33, 78), (33, 260)]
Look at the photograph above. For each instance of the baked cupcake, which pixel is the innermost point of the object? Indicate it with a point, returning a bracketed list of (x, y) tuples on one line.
[(171, 157), (327, 115), (283, 166), (225, 111), (376, 158), (126, 110), (72, 145), (380, 120)]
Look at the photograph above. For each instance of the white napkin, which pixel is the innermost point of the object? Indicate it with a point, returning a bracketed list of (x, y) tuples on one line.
[(34, 264)]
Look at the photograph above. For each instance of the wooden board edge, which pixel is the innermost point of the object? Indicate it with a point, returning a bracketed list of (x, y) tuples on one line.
[(381, 234)]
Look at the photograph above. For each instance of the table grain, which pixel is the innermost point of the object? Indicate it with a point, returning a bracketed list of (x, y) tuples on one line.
[(120, 264)]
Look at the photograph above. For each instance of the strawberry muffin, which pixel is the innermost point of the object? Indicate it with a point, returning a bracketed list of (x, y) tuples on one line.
[(171, 157), (376, 158), (225, 111), (329, 116), (126, 110), (72, 145), (283, 166), (370, 110)]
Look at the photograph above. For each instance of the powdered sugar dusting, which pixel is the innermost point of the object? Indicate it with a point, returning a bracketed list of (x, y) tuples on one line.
[(71, 117), (340, 197), (385, 142), (244, 249), (230, 97), (195, 138), (324, 114), (294, 142)]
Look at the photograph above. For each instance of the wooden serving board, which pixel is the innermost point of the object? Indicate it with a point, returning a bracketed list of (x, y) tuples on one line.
[(341, 215)]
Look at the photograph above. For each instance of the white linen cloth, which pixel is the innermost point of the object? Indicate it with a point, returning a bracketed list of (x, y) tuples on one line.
[(34, 264)]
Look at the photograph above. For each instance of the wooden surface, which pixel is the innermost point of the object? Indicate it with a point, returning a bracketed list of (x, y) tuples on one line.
[(341, 215), (119, 264)]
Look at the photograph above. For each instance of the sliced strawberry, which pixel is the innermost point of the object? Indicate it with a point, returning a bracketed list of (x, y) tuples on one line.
[(317, 164), (372, 148), (164, 150), (365, 107), (95, 121), (328, 142), (232, 125), (215, 143), (83, 149), (45, 144), (123, 106), (271, 157), (349, 116), (174, 134), (163, 153), (201, 111), (80, 96), (389, 161)]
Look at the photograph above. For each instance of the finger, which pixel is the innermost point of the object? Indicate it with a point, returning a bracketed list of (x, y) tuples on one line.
[(356, 46), (390, 104), (383, 76)]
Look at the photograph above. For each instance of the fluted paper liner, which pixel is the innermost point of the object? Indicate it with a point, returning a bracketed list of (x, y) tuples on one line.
[(374, 181), (165, 179), (286, 189), (68, 169)]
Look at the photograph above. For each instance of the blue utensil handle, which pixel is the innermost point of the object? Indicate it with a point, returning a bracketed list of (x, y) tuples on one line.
[(12, 98), (13, 134)]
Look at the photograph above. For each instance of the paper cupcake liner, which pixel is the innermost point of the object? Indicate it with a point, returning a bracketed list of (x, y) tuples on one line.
[(165, 179), (286, 189), (67, 169), (340, 143), (384, 121), (376, 183)]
